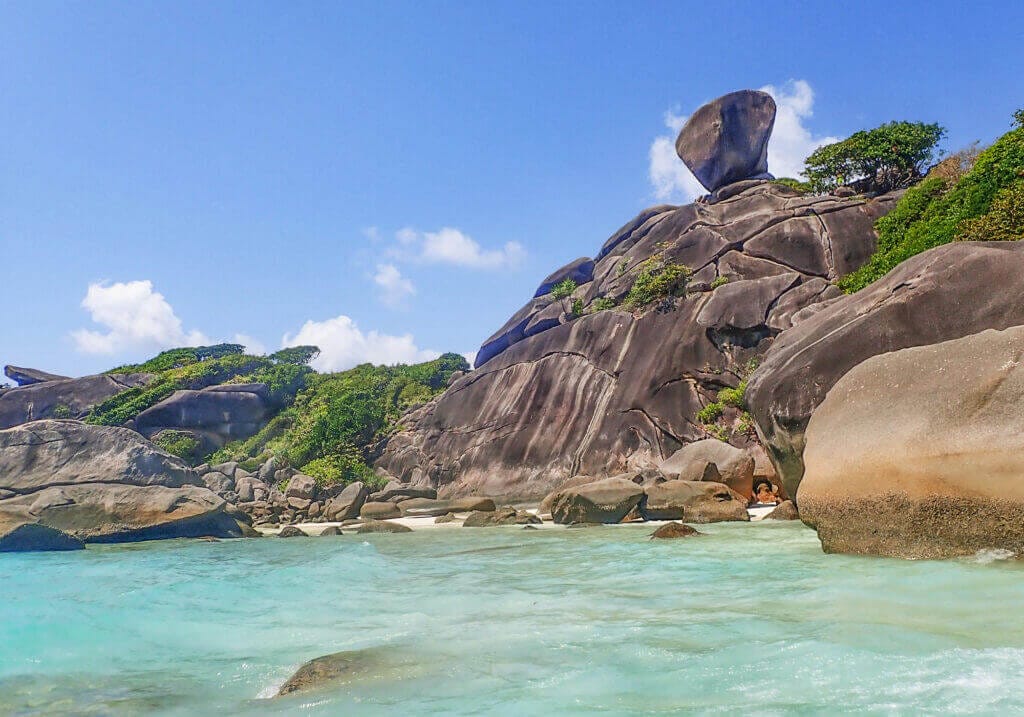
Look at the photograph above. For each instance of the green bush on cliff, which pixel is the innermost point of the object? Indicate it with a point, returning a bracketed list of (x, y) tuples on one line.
[(710, 413), (657, 280), (332, 429), (602, 303), (563, 289), (983, 204), (735, 397), (179, 443), (178, 358), (880, 159), (283, 380)]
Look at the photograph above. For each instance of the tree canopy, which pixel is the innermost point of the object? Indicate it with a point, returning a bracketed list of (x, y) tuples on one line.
[(889, 157)]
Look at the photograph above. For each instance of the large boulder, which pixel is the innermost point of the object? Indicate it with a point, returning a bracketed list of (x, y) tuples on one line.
[(395, 491), (726, 140), (301, 486), (919, 453), (945, 293), (579, 271), (694, 502), (502, 516), (28, 376), (377, 510), (614, 390), (347, 504), (63, 398), (714, 460), (603, 501), (103, 484), (215, 415)]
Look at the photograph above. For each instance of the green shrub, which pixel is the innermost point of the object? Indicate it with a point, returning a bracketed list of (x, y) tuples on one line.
[(577, 307), (179, 443), (735, 397), (602, 303), (298, 355), (802, 187), (657, 280), (710, 413), (178, 358), (1004, 220), (719, 281), (563, 289), (932, 213), (62, 410), (334, 423), (719, 432), (881, 159)]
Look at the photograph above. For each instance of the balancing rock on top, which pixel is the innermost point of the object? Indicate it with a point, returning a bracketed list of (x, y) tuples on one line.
[(726, 140)]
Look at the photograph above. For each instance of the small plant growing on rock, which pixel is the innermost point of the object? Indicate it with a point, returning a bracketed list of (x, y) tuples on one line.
[(602, 303), (563, 289), (735, 397), (719, 281), (62, 410), (577, 307), (710, 413), (178, 443), (657, 280)]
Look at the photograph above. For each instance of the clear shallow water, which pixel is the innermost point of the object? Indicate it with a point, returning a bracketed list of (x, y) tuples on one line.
[(750, 618)]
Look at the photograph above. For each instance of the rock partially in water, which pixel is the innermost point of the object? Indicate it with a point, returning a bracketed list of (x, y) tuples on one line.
[(726, 140), (919, 453), (674, 530), (30, 537), (103, 484), (333, 670), (693, 501), (330, 530), (945, 293), (604, 501)]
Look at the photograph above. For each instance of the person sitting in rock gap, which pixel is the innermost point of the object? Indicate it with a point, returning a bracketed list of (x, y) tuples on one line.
[(764, 493)]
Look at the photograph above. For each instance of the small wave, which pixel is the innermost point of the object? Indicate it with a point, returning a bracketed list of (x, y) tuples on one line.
[(990, 555)]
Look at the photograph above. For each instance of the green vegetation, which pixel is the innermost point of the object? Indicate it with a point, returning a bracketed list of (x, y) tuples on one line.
[(735, 397), (710, 413), (62, 410), (878, 160), (602, 303), (331, 429), (297, 355), (563, 289), (719, 281), (178, 358), (577, 307), (179, 443), (802, 187), (657, 280), (983, 204)]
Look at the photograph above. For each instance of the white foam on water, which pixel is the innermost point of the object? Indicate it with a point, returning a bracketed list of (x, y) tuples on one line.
[(991, 555)]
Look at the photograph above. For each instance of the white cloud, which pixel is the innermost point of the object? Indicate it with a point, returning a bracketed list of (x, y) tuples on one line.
[(394, 288), (252, 345), (343, 345), (788, 147), (791, 141), (133, 316), (451, 246)]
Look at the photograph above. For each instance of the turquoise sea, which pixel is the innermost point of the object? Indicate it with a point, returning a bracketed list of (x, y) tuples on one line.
[(750, 618)]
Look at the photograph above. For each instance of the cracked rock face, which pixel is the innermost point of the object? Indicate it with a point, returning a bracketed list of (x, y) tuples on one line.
[(726, 140), (557, 395), (102, 484), (945, 293), (919, 453), (75, 395)]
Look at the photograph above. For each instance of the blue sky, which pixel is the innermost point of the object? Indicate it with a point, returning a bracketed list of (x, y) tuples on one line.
[(392, 179)]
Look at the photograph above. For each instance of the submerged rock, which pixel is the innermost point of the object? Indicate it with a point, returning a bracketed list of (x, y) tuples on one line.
[(674, 530), (919, 453), (332, 669)]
